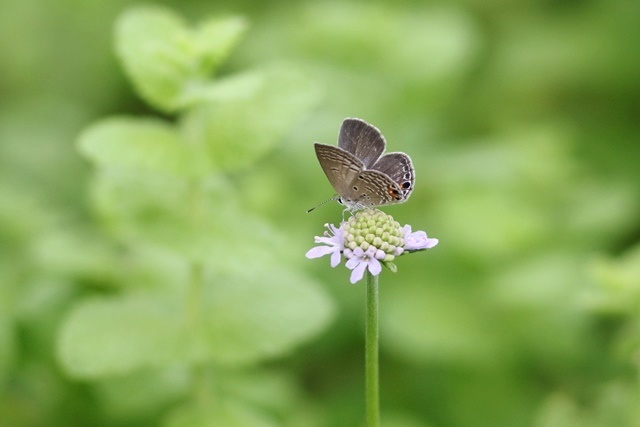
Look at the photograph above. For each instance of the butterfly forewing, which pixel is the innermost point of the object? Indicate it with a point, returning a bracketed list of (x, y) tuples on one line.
[(340, 167), (399, 168), (362, 140)]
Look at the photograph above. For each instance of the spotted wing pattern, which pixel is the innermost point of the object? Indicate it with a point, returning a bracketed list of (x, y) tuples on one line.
[(399, 168), (362, 140), (358, 173), (373, 188)]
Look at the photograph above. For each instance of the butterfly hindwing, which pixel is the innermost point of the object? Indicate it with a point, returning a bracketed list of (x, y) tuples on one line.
[(399, 168), (375, 189)]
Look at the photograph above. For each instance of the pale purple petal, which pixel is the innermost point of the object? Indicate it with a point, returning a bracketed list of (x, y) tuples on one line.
[(374, 266), (335, 230), (380, 254), (353, 263), (431, 243), (326, 240), (358, 272), (371, 252), (358, 252), (335, 258), (319, 251), (333, 238), (348, 253), (418, 240), (398, 251)]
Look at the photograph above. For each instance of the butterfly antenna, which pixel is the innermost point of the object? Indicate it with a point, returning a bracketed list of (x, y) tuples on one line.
[(322, 203)]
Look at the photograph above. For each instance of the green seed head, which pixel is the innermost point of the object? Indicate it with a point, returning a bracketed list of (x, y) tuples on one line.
[(374, 228)]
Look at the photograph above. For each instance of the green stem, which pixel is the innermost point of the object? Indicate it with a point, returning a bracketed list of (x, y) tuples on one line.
[(196, 267), (372, 383), (194, 297), (194, 319)]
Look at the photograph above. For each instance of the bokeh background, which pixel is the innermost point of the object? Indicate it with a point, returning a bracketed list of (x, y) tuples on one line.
[(523, 121)]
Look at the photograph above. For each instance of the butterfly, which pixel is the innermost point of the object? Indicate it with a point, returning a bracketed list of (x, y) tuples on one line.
[(359, 172)]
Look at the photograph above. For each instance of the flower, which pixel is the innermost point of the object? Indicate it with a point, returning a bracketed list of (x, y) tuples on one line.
[(333, 237), (359, 260), (417, 240), (369, 239)]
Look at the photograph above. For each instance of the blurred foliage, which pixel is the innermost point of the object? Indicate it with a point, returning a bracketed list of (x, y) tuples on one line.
[(156, 163)]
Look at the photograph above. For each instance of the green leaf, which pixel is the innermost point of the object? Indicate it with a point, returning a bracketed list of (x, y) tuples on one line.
[(240, 131), (78, 253), (227, 413), (108, 336), (275, 390), (237, 86), (252, 314), (247, 316), (216, 38), (147, 145), (142, 393), (163, 57), (197, 222), (174, 215), (616, 286)]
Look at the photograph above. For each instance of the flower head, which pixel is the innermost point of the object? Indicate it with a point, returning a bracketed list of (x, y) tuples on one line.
[(368, 240)]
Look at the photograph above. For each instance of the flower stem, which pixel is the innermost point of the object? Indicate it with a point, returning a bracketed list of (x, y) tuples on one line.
[(372, 386)]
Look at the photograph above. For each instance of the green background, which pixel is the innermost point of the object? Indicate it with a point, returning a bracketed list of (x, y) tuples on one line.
[(522, 119)]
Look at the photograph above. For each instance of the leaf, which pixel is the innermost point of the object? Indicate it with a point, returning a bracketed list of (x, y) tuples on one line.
[(196, 222), (275, 390), (143, 393), (163, 57), (240, 131), (226, 412), (216, 38), (108, 336), (76, 252), (256, 314), (616, 283), (246, 317), (237, 86), (147, 145)]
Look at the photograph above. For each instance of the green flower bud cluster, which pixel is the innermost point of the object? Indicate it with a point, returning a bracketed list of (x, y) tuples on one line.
[(374, 228)]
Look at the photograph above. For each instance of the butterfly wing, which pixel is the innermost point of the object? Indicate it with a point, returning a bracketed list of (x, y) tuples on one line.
[(340, 167), (362, 140), (375, 188), (398, 167)]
